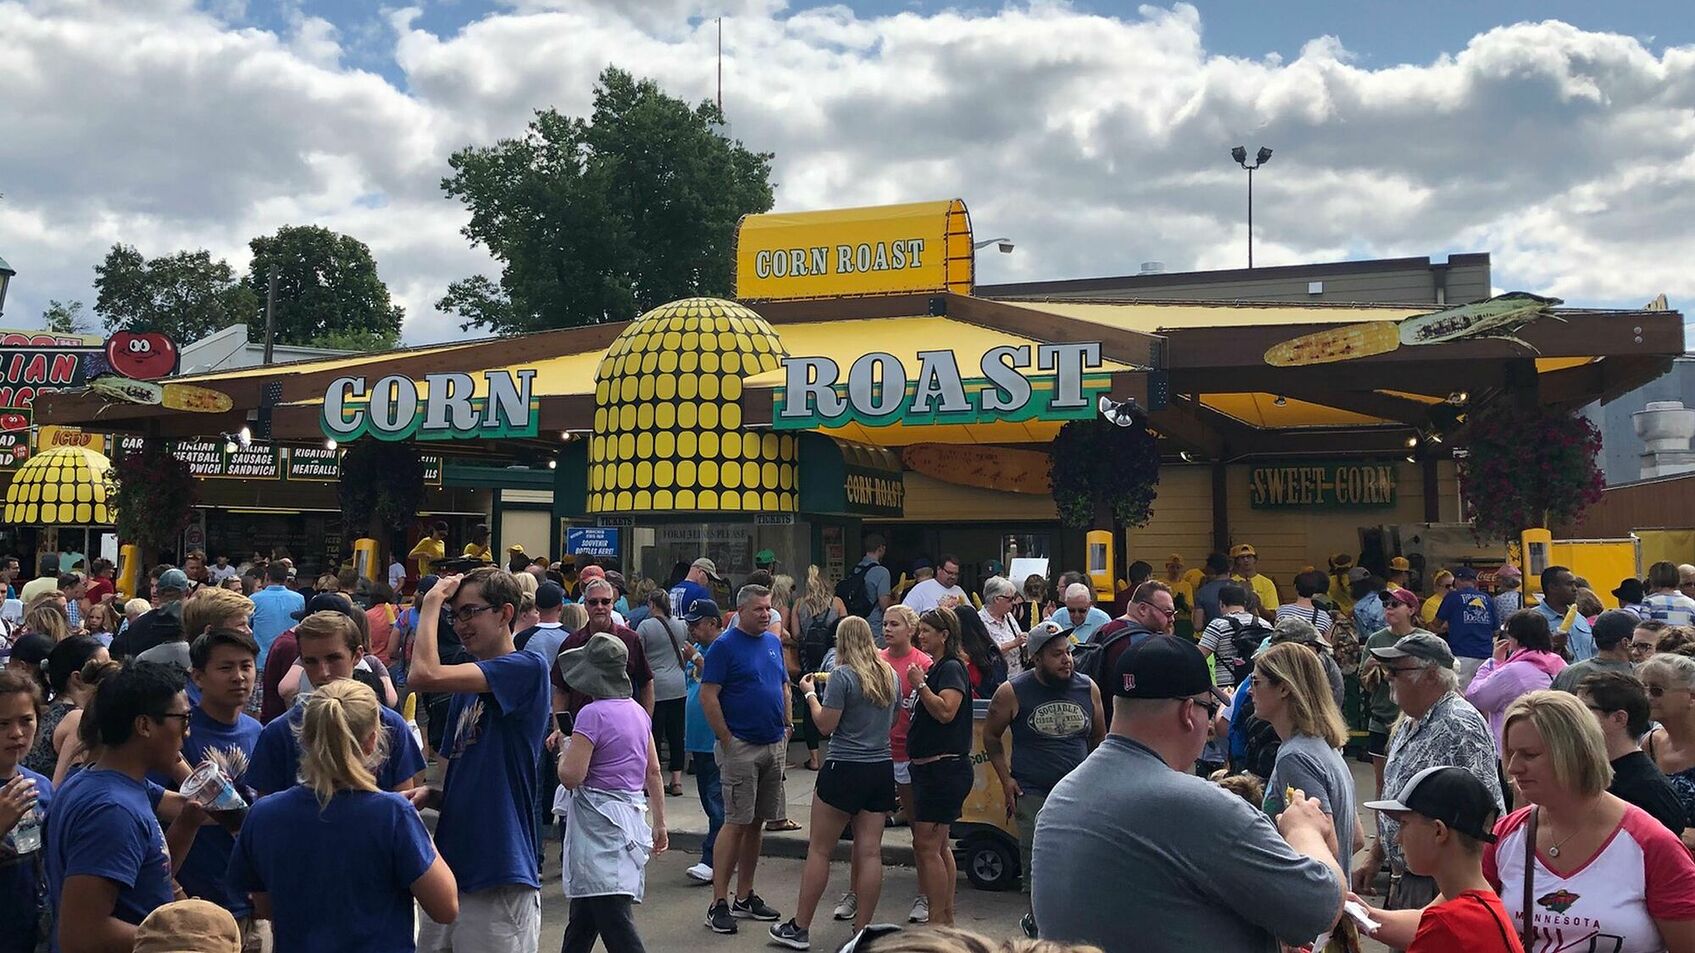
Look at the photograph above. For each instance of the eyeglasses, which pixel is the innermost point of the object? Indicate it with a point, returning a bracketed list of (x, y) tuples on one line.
[(1168, 613), (1397, 672), (597, 602), (467, 613), (1641, 648), (185, 716), (1212, 705)]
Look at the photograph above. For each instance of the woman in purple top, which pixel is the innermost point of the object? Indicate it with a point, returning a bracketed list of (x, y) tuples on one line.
[(1524, 661), (611, 779)]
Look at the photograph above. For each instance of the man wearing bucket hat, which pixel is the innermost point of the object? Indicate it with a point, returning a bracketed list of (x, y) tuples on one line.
[(1445, 817), (610, 774), (1135, 854), (1244, 566)]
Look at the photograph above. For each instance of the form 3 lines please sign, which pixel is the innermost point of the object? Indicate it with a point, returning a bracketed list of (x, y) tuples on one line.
[(1321, 485)]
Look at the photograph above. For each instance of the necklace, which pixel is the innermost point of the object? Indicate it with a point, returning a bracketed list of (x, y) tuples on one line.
[(1554, 849)]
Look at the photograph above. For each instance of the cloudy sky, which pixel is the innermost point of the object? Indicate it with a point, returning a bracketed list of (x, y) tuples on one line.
[(1558, 136)]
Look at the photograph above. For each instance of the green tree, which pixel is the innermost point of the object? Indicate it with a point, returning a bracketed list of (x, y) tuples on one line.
[(600, 219), (186, 295), (327, 285), (65, 317)]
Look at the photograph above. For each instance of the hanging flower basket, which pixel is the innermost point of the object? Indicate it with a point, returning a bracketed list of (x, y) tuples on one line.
[(154, 493), (1528, 468), (1094, 463), (381, 482)]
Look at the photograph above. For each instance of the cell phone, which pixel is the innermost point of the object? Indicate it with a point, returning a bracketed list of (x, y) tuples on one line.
[(565, 721)]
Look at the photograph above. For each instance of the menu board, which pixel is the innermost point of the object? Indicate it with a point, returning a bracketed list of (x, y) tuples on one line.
[(214, 459)]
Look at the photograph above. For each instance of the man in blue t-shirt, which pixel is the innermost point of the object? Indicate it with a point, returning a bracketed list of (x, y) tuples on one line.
[(1469, 615), (222, 664), (495, 724), (107, 866), (744, 695), (694, 585), (329, 651)]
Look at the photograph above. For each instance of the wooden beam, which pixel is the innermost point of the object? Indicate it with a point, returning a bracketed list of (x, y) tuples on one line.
[(1194, 428), (1136, 348), (1368, 402)]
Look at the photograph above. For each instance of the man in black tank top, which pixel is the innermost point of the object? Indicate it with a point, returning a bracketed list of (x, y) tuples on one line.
[(1056, 718)]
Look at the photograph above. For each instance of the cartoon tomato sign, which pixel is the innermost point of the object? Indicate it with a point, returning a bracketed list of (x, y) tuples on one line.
[(142, 356)]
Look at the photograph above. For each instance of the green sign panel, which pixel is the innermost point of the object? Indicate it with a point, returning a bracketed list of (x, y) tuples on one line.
[(1308, 485), (879, 391), (397, 408)]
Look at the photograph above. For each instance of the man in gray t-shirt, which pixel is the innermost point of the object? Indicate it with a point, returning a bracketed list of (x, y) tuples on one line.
[(878, 585), (1136, 855)]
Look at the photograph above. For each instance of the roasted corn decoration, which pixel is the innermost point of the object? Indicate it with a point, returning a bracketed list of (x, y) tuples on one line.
[(1499, 317)]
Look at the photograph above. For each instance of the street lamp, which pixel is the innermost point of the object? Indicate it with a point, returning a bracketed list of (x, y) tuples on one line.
[(1004, 244), (1240, 154), (6, 274)]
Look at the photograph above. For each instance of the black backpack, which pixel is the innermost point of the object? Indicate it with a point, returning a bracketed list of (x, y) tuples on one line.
[(1246, 640), (1089, 658), (852, 591), (816, 640)]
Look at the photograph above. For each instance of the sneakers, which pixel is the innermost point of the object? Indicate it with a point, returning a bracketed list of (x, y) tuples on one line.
[(791, 936), (1027, 923), (848, 908), (754, 908), (920, 910), (699, 873), (718, 918)]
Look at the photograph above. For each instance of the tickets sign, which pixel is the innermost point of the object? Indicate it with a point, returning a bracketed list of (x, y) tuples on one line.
[(891, 249)]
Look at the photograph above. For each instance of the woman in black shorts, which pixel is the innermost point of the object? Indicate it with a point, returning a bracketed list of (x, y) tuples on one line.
[(939, 744), (857, 780)]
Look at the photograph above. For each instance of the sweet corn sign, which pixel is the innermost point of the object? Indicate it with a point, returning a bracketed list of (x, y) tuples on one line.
[(891, 249), (1307, 485)]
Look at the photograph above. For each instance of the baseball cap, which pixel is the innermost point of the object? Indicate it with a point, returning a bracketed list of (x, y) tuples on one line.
[(1509, 572), (328, 602), (702, 609), (1419, 645), (550, 595), (707, 566), (1163, 667), (32, 647), (1450, 795), (591, 572), (1465, 572), (765, 558), (173, 580), (1357, 573), (1400, 564), (1175, 559), (1240, 550), (1042, 633), (1405, 597), (517, 548)]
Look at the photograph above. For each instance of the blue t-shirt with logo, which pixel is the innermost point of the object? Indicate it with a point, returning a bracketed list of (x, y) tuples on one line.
[(749, 672), (22, 892), (103, 825), (697, 734), (339, 877), (1472, 622), (487, 831), (203, 870), (276, 757)]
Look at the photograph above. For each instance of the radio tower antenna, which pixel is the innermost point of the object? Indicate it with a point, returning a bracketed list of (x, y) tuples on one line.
[(720, 65)]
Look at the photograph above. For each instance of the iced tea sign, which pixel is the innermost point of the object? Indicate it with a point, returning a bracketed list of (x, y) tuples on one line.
[(1013, 382), (445, 407)]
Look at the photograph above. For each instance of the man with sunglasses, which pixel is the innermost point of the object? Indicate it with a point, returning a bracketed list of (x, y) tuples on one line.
[(1152, 611), (1132, 837), (495, 724), (598, 597), (1441, 728)]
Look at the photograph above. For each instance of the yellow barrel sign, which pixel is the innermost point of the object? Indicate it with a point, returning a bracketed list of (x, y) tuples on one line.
[(890, 249), (1315, 485)]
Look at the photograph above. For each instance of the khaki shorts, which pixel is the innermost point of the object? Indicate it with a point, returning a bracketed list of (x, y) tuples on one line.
[(752, 776), (504, 919)]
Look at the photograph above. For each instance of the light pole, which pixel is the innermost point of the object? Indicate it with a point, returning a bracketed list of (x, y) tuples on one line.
[(1004, 244), (1240, 154), (6, 274)]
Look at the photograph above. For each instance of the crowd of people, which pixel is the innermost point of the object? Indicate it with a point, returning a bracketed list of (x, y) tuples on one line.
[(236, 753)]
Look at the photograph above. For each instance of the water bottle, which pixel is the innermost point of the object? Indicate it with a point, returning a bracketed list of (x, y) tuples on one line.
[(26, 836)]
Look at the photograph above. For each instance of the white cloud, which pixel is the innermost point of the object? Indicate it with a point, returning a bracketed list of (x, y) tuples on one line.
[(1096, 143)]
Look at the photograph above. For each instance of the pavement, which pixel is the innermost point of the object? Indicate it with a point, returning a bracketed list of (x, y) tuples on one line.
[(672, 916)]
